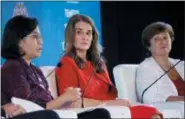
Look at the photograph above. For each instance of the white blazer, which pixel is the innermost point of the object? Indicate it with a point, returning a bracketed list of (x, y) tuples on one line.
[(147, 72)]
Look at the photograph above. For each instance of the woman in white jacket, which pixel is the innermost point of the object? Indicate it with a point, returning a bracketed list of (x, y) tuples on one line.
[(157, 38)]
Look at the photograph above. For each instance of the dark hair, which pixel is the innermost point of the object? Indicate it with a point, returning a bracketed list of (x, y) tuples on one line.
[(153, 29), (15, 30), (93, 53)]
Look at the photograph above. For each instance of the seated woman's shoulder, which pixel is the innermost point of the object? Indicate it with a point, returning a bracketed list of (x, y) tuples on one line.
[(175, 59), (11, 63), (67, 59), (145, 62)]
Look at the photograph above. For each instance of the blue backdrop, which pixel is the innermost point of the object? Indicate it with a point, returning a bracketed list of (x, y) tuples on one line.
[(52, 17)]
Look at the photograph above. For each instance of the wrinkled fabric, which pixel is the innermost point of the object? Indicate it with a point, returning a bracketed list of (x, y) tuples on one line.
[(24, 81)]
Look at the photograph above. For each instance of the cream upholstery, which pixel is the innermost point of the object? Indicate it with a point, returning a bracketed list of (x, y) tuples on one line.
[(125, 75), (125, 80), (51, 79)]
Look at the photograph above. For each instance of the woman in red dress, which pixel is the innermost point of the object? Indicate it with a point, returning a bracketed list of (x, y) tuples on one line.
[(82, 57)]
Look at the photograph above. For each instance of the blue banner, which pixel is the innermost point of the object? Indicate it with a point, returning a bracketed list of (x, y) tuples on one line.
[(52, 17)]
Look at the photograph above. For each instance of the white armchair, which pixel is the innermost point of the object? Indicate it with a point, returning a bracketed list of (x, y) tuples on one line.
[(51, 79), (124, 76)]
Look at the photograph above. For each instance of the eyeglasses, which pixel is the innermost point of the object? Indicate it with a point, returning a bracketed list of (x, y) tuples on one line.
[(35, 35)]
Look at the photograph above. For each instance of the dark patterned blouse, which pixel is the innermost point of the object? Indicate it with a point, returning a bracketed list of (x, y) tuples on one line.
[(24, 81)]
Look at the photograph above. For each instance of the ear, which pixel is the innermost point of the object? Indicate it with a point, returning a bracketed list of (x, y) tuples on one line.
[(21, 43), (149, 48)]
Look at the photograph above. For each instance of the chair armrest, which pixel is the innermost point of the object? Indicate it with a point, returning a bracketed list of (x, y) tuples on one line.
[(168, 104), (171, 109)]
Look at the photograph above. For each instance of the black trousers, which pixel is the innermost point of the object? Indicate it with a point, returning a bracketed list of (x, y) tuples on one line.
[(48, 114), (99, 113)]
